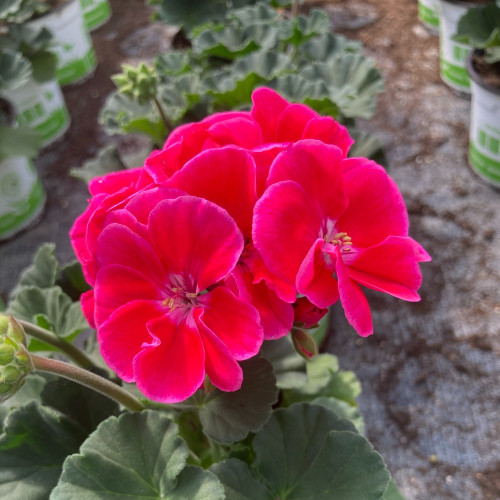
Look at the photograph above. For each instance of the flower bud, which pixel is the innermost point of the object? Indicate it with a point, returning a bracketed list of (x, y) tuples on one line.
[(15, 360), (306, 314), (304, 343)]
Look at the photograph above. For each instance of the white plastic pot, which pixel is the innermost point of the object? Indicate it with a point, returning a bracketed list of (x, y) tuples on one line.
[(95, 13), (484, 137), (428, 13), (42, 107), (75, 54), (22, 196), (453, 55)]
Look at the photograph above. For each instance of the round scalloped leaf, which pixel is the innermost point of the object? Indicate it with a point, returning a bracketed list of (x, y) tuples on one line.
[(32, 450), (140, 456), (227, 417), (15, 70), (327, 46)]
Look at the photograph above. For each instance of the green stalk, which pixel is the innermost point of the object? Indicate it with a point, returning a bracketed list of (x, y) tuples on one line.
[(163, 116), (88, 379), (67, 348), (295, 8)]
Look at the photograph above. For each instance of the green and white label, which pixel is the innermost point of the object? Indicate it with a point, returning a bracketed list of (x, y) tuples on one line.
[(75, 54), (428, 12), (453, 55), (484, 145), (21, 195), (95, 12), (42, 107)]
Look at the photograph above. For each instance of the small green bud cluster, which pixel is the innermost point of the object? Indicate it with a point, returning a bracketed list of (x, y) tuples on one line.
[(139, 84), (15, 361)]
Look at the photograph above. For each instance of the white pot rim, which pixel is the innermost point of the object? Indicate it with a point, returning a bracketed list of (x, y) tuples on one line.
[(474, 75)]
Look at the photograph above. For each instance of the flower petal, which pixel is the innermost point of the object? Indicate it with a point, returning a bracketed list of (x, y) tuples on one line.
[(316, 167), (234, 322), (116, 286), (171, 367), (264, 157), (240, 131), (121, 337), (376, 208), (87, 303), (327, 130), (389, 267), (196, 240), (221, 367), (286, 224), (315, 278), (353, 300), (293, 121), (268, 106), (114, 181), (224, 176)]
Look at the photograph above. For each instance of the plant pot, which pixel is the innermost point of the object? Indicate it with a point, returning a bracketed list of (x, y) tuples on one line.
[(95, 13), (428, 13), (42, 107), (22, 196), (453, 55), (484, 137), (75, 54)]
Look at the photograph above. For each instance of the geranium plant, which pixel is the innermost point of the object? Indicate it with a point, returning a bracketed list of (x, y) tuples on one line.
[(207, 272)]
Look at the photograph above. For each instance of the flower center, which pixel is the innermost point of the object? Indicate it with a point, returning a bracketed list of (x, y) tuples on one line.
[(179, 298), (342, 241)]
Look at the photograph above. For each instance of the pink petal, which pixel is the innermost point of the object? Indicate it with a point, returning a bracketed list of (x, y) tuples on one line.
[(327, 130), (376, 208), (121, 337), (117, 285), (264, 157), (114, 181), (225, 177), (225, 116), (293, 121), (196, 240), (87, 303), (234, 322), (120, 245), (240, 131), (353, 300), (221, 367), (171, 367), (306, 313), (268, 106), (286, 224), (316, 167), (389, 267), (315, 278)]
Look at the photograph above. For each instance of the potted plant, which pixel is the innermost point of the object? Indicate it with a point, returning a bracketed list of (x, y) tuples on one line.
[(22, 196), (428, 13), (95, 13), (480, 28), (35, 93), (75, 55)]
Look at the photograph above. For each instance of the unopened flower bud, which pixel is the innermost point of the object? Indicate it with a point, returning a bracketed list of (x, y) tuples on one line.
[(15, 360), (304, 343)]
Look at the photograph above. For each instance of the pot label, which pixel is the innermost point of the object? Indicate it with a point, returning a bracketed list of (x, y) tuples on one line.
[(75, 54), (453, 55), (484, 145), (428, 12), (95, 12), (21, 195), (42, 107)]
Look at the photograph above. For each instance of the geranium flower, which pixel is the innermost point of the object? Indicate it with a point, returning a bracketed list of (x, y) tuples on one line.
[(326, 225), (163, 318)]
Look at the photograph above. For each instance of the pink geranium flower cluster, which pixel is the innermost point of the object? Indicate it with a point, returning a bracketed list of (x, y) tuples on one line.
[(243, 224)]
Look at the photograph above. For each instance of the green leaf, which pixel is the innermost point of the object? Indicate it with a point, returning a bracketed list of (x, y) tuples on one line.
[(44, 64), (252, 14), (84, 406), (43, 272), (302, 28), (15, 70), (172, 63), (343, 410), (138, 455), (72, 281), (325, 379), (107, 160), (64, 316), (19, 141), (289, 367), (19, 11), (367, 145), (307, 452), (32, 449), (326, 47), (227, 417), (238, 481), (180, 95), (121, 115), (392, 492)]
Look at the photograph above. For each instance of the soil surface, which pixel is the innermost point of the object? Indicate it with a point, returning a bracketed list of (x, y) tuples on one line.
[(430, 372)]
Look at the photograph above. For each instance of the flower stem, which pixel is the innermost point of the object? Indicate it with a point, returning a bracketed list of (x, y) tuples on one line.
[(295, 8), (163, 116), (47, 336), (88, 379)]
